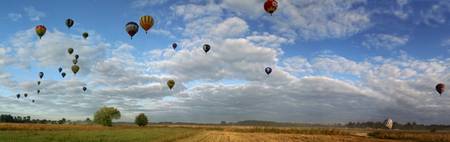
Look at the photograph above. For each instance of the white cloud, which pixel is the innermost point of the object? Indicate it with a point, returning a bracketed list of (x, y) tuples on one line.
[(33, 13), (14, 16), (387, 41), (144, 3)]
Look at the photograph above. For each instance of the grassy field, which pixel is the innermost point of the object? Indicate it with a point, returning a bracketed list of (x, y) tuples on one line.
[(205, 133)]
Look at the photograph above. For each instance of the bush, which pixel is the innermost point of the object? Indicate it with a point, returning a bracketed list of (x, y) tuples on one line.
[(141, 120)]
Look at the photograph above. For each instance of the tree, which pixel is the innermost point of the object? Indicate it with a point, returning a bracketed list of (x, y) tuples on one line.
[(141, 120), (105, 115)]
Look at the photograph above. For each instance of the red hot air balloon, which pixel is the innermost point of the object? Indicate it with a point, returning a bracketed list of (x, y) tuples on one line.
[(270, 6), (440, 88)]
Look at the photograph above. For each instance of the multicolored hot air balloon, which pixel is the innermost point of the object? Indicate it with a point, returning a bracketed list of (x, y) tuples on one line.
[(84, 89), (146, 22), (206, 48), (70, 51), (268, 70), (131, 28), (63, 74), (440, 88), (40, 30), (69, 23), (76, 56), (74, 61), (75, 69), (174, 45), (59, 69), (270, 6), (41, 74), (170, 84), (85, 35)]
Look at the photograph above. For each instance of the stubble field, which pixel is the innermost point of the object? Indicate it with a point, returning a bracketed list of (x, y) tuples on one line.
[(206, 133)]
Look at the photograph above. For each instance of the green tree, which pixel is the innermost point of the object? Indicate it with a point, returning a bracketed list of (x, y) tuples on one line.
[(105, 115), (141, 120)]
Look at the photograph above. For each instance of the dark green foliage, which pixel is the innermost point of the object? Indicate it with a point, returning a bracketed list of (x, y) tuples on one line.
[(141, 120)]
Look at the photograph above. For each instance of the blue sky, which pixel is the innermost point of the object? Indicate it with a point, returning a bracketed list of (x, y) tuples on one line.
[(381, 58)]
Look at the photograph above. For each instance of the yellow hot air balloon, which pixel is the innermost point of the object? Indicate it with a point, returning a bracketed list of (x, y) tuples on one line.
[(170, 84), (146, 22), (75, 69)]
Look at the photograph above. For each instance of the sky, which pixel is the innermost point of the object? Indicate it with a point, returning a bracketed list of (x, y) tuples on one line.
[(333, 61)]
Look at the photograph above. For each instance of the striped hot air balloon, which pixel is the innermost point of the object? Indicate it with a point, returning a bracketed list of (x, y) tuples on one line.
[(131, 28), (40, 30), (389, 123), (146, 22)]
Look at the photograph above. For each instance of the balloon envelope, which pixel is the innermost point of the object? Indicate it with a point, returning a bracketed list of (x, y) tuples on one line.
[(174, 45), (41, 74), (206, 48), (40, 30), (440, 88), (69, 23), (75, 69), (70, 50), (85, 35), (270, 6), (171, 84), (146, 22), (63, 74), (268, 70), (131, 28), (60, 69)]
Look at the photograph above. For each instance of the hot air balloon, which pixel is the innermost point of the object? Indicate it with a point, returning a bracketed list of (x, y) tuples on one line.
[(40, 30), (268, 70), (26, 95), (74, 61), (69, 23), (206, 48), (85, 35), (41, 74), (32, 101), (131, 28), (18, 96), (84, 89), (171, 83), (270, 6), (174, 45), (38, 91), (76, 56), (146, 23), (75, 69), (39, 82), (70, 51), (63, 74), (59, 69), (388, 123), (440, 88)]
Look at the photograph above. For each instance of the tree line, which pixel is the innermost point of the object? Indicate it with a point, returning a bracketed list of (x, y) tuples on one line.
[(8, 118)]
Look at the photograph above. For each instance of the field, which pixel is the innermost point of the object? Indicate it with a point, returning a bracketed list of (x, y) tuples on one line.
[(205, 133)]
